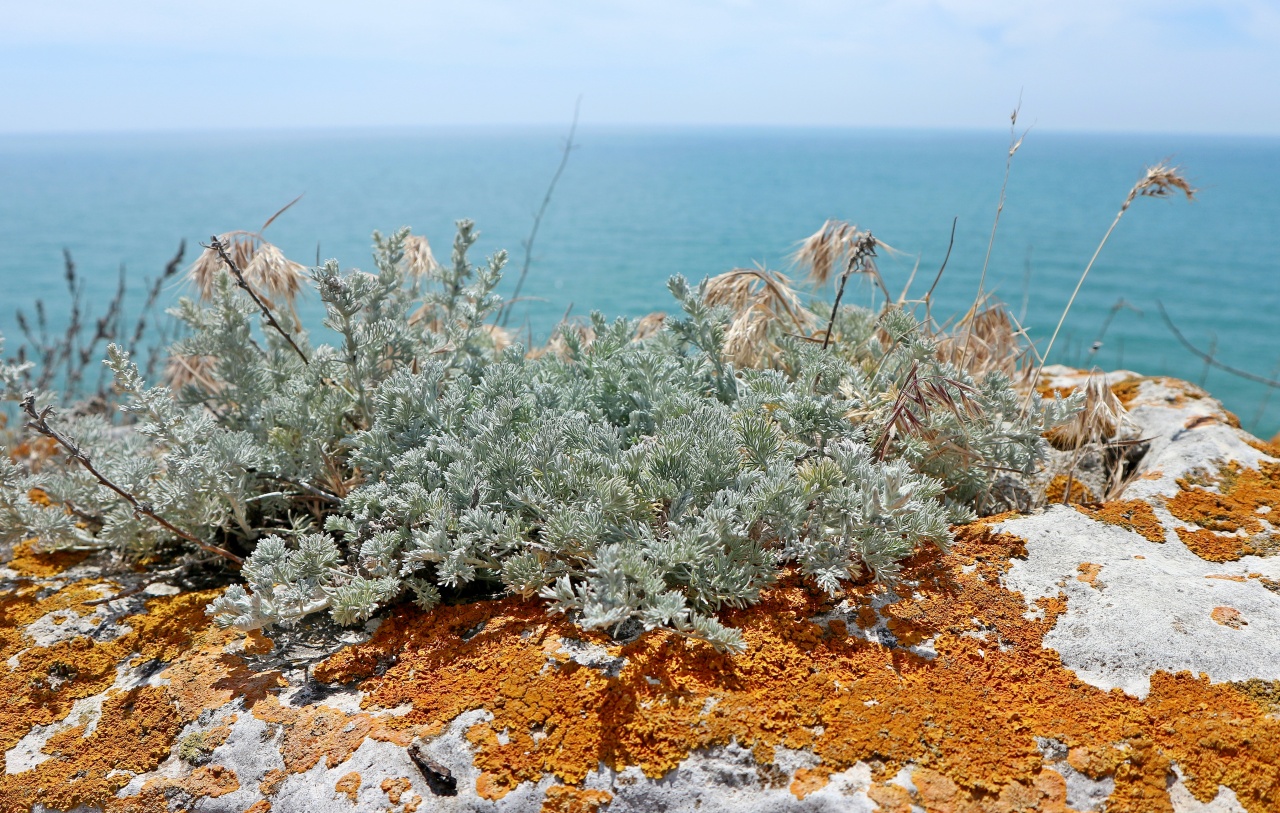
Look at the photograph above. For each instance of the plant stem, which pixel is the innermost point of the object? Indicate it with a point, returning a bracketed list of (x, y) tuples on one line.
[(40, 423), (217, 246)]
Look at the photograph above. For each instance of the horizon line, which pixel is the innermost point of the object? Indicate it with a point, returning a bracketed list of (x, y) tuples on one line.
[(359, 129)]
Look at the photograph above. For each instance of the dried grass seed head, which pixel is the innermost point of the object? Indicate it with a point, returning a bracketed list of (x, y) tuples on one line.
[(264, 266), (1103, 417), (418, 260), (1163, 180), (836, 247)]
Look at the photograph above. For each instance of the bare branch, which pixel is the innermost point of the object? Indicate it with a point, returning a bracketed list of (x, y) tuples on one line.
[(217, 246), (40, 423), (542, 210), (1209, 359)]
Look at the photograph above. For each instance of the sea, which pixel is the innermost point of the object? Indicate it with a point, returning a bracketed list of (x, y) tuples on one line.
[(634, 206)]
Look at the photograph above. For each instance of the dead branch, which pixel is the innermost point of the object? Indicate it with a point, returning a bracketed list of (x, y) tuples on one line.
[(39, 423)]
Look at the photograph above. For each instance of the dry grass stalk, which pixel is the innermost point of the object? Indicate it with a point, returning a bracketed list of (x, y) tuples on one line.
[(994, 343), (500, 336), (238, 274), (841, 247), (649, 325), (273, 276), (418, 259), (557, 346), (912, 405), (764, 307), (1161, 180), (196, 371), (1015, 143), (1102, 417)]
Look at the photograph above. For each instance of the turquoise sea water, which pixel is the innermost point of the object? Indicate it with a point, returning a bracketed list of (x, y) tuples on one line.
[(635, 206)]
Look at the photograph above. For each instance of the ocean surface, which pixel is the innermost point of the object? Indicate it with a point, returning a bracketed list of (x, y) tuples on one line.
[(635, 206)]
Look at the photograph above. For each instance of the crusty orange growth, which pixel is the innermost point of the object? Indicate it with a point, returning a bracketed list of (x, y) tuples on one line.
[(31, 562), (1136, 515), (1056, 491), (1230, 519), (566, 799), (349, 786), (968, 718)]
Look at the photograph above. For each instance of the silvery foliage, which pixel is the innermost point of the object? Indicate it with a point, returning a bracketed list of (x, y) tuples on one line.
[(625, 482)]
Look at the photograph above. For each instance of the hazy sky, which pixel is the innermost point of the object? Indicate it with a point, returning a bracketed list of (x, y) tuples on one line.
[(1145, 65)]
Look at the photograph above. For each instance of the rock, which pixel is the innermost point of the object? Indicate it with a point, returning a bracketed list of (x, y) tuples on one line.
[(1121, 656)]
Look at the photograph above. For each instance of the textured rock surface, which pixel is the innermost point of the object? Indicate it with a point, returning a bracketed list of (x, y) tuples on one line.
[(1122, 656)]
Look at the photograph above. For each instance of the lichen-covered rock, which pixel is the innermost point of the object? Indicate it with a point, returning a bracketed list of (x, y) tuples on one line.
[(1121, 656)]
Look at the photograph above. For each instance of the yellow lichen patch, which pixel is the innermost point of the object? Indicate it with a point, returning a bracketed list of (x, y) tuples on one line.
[(807, 780), (1231, 519), (133, 734), (1136, 515), (564, 799), (970, 715), (313, 733), (271, 782), (349, 786), (1228, 617), (1056, 491), (260, 806), (33, 563), (1265, 692), (136, 728), (1126, 391), (1088, 573)]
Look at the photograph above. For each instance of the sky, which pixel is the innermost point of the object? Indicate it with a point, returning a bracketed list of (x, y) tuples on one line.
[(1179, 66)]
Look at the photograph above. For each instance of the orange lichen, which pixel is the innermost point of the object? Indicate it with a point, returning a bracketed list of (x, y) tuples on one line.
[(398, 789), (260, 806), (1057, 490), (271, 782), (313, 733), (349, 786), (1243, 499), (1126, 391), (1228, 617), (135, 729), (564, 799), (31, 562), (965, 720), (1088, 573), (1136, 515), (807, 780), (970, 715)]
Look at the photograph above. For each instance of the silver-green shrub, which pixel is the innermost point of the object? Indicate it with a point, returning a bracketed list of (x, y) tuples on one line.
[(625, 481)]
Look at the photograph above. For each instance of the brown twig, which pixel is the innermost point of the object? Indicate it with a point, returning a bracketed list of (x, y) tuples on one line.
[(1209, 359), (928, 296), (40, 423), (863, 250), (217, 246), (505, 313)]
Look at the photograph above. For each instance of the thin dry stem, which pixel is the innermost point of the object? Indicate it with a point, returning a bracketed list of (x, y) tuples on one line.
[(221, 251), (1161, 180), (39, 423)]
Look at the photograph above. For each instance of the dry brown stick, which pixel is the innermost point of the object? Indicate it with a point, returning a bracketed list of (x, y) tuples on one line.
[(928, 297), (40, 423), (217, 246), (864, 248), (1208, 358), (504, 313)]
